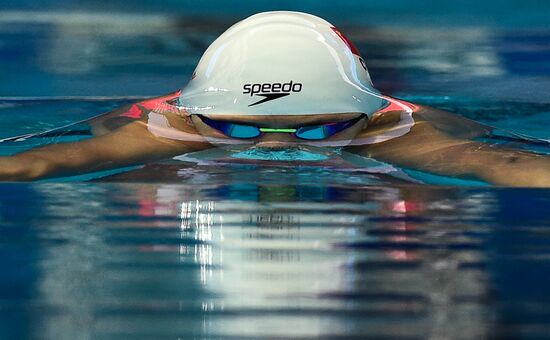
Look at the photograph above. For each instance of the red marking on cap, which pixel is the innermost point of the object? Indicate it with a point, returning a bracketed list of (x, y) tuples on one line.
[(134, 112), (396, 105), (161, 104), (348, 42)]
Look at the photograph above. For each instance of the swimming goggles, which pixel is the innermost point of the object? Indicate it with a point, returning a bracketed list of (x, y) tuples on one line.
[(313, 132)]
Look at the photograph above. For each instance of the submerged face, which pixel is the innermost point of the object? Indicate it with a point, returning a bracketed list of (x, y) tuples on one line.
[(279, 132)]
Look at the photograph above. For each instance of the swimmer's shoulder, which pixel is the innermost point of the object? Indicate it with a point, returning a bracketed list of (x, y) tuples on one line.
[(390, 122), (144, 111), (401, 116)]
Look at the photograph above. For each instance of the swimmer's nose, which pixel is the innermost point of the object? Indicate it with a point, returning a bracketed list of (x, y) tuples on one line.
[(274, 146), (276, 141)]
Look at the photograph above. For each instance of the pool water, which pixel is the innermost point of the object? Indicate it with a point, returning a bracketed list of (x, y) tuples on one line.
[(259, 249), (241, 259)]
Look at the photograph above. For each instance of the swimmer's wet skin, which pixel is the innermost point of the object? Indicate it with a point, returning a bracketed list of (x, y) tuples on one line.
[(325, 99)]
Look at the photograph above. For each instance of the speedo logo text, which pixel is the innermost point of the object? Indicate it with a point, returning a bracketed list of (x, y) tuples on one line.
[(271, 91)]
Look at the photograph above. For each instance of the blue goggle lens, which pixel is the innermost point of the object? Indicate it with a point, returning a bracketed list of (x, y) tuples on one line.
[(324, 131), (312, 132), (243, 131), (231, 129)]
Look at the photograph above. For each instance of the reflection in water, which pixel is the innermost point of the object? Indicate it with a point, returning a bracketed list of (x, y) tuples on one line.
[(126, 260), (197, 223), (390, 264)]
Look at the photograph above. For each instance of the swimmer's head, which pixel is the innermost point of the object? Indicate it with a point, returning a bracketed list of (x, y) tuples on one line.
[(281, 63)]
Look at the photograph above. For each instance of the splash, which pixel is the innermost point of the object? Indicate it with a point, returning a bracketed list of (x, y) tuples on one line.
[(280, 155)]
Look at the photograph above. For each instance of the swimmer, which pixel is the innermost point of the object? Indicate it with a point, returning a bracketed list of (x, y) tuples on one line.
[(283, 80)]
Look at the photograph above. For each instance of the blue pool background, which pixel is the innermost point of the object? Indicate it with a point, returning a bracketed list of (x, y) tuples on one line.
[(258, 251)]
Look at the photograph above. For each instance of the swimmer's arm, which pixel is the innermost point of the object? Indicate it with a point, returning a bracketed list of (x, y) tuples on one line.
[(131, 144), (426, 148)]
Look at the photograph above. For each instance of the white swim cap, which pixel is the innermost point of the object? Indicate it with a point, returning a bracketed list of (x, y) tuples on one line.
[(281, 63)]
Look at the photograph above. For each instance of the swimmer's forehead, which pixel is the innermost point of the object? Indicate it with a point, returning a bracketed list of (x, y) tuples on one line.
[(287, 119)]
